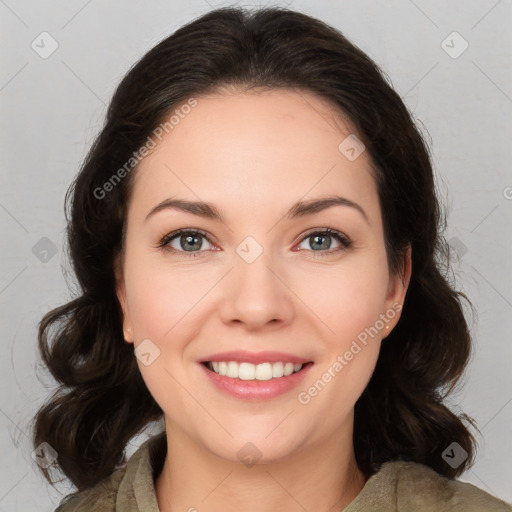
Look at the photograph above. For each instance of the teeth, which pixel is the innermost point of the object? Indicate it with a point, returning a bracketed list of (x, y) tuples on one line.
[(248, 371)]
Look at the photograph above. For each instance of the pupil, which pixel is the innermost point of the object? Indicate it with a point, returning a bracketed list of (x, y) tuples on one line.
[(189, 238), (317, 237)]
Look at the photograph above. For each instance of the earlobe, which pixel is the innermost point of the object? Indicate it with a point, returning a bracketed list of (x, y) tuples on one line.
[(128, 335)]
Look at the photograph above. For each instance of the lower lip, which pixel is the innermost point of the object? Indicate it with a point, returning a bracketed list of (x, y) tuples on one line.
[(256, 389)]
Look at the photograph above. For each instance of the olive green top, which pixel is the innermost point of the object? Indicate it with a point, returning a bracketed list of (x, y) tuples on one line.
[(397, 487)]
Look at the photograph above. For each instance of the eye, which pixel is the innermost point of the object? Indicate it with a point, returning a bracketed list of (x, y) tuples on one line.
[(322, 240), (185, 241), (189, 242)]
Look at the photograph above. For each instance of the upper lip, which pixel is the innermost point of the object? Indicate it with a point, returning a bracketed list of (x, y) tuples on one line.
[(242, 356)]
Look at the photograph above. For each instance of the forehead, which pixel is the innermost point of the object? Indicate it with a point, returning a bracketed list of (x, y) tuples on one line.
[(266, 148)]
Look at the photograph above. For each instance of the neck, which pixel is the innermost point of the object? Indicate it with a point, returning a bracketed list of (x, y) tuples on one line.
[(321, 477)]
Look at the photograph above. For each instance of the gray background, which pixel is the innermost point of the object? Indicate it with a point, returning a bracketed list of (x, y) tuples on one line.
[(52, 108)]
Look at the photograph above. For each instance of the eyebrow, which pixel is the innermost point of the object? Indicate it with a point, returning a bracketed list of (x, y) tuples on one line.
[(299, 209)]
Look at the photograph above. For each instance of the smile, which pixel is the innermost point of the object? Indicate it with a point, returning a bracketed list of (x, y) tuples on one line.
[(249, 371), (255, 382)]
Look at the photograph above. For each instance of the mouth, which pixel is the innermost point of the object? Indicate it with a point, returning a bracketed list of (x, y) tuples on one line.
[(244, 371), (255, 382)]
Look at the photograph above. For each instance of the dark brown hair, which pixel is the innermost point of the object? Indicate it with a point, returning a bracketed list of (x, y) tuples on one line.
[(102, 400)]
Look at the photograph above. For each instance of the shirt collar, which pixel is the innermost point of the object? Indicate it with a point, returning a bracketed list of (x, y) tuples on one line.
[(136, 490)]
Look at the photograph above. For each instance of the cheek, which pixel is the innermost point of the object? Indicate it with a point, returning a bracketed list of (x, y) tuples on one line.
[(161, 304), (347, 298), (327, 401), (163, 299)]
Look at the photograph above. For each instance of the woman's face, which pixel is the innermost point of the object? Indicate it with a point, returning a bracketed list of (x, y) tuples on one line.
[(265, 277)]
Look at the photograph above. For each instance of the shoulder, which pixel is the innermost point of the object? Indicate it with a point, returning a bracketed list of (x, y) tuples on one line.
[(128, 489), (100, 498), (419, 487), (87, 500)]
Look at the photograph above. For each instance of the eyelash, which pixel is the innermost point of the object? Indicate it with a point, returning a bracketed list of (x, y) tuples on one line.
[(340, 237)]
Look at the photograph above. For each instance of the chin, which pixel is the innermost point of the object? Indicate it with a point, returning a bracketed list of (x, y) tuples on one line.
[(250, 449)]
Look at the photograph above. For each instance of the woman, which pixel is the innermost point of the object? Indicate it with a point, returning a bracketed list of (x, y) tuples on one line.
[(257, 238)]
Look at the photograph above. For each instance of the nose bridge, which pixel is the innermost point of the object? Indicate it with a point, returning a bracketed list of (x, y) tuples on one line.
[(256, 293), (253, 270)]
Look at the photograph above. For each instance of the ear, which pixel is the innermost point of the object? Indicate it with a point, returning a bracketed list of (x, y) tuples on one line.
[(121, 295), (398, 285)]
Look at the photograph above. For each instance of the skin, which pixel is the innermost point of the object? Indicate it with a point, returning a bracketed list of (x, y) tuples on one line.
[(253, 155)]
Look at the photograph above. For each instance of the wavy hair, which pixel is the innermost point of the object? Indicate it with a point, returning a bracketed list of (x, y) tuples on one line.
[(102, 401)]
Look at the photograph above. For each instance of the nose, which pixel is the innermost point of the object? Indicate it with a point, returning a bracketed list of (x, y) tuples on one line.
[(255, 294)]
